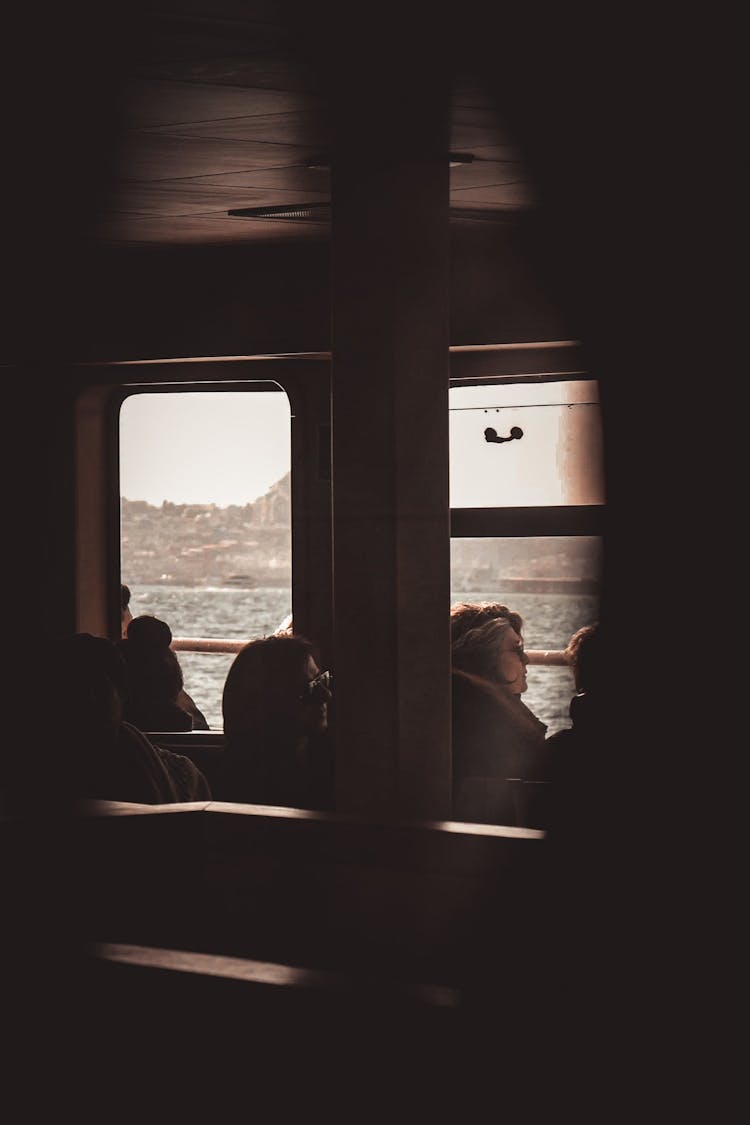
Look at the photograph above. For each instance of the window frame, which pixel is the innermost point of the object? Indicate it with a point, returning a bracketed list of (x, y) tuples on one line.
[(102, 390)]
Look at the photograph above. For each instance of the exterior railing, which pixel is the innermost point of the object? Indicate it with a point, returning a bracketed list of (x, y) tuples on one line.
[(204, 644)]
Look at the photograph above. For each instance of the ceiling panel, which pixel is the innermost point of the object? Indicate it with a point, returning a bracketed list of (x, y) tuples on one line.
[(228, 68), (222, 110), (145, 156), (148, 104), (302, 128), (170, 198), (507, 197), (180, 230), (290, 180)]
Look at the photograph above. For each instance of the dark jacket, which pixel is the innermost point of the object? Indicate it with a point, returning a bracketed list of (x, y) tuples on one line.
[(272, 773), (495, 737), (134, 770), (586, 723), (577, 753)]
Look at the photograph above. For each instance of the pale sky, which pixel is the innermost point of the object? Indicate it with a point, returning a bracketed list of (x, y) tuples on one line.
[(557, 460), (230, 447), (203, 447)]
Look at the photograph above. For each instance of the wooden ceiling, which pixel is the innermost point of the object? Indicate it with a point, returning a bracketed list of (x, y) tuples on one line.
[(221, 107)]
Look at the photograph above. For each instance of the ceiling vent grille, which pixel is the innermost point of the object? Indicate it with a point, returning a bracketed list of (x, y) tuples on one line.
[(293, 212), (321, 213)]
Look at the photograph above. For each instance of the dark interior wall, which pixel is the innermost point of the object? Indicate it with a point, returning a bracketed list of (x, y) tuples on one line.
[(200, 301), (501, 291)]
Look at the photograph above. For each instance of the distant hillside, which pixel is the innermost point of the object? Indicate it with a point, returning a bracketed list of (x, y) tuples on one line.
[(250, 544), (204, 544)]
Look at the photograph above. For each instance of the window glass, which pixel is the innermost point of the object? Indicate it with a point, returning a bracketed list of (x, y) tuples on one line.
[(535, 444), (525, 444), (553, 582), (206, 521)]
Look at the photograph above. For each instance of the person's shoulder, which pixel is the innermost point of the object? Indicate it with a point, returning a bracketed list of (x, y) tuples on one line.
[(130, 734), (473, 701), (536, 727), (188, 779), (466, 685), (187, 704), (587, 707), (138, 756), (559, 738)]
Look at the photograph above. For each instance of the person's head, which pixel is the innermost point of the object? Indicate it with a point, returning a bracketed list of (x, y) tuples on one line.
[(583, 653), (83, 707), (153, 668), (275, 690), (125, 615), (486, 640), (89, 687)]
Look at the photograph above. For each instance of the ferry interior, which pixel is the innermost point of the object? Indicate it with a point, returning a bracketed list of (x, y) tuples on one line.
[(371, 208)]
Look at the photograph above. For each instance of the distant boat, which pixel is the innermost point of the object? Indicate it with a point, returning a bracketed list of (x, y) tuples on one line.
[(245, 580)]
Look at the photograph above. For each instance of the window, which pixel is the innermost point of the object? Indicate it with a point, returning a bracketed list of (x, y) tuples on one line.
[(206, 520), (525, 513)]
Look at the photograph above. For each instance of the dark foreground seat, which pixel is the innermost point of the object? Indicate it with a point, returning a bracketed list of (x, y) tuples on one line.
[(287, 951), (266, 1035), (205, 748), (503, 800), (425, 901)]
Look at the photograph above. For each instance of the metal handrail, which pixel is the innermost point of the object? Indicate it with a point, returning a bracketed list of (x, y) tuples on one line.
[(204, 644), (547, 656)]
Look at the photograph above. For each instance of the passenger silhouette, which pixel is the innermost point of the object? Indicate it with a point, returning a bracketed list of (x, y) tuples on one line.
[(183, 699), (583, 652), (126, 615), (277, 742), (157, 699), (106, 757), (578, 752), (495, 736)]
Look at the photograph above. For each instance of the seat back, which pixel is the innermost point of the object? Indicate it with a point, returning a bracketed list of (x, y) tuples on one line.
[(485, 800), (511, 801), (205, 748)]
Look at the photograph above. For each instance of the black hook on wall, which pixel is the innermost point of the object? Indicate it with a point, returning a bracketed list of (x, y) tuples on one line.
[(491, 434)]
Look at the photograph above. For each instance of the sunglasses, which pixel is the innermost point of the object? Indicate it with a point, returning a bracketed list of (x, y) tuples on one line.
[(318, 690)]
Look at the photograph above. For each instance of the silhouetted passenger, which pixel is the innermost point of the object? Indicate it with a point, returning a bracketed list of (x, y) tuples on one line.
[(584, 653), (183, 699), (581, 781), (105, 757), (275, 706), (157, 699), (125, 613), (495, 736), (574, 746)]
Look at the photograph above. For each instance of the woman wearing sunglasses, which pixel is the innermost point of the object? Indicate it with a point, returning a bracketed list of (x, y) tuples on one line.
[(277, 745)]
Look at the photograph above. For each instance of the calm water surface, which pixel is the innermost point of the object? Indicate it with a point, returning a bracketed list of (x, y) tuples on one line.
[(236, 614)]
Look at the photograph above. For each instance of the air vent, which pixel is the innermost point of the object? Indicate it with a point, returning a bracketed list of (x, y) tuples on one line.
[(297, 212), (321, 213)]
